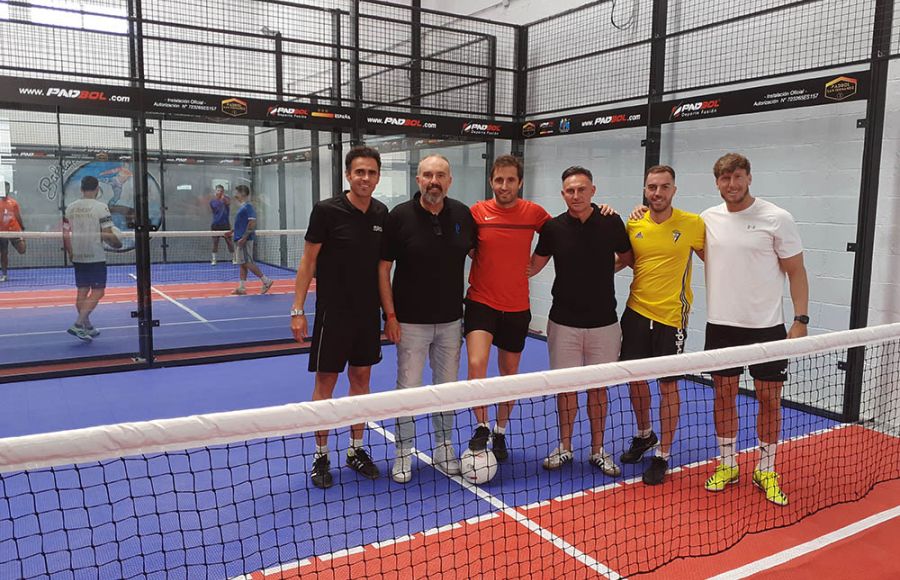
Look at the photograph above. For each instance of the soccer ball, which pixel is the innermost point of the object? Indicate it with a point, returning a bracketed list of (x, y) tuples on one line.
[(478, 466)]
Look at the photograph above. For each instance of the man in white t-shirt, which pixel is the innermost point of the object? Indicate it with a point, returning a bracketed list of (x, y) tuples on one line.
[(751, 244), (88, 225)]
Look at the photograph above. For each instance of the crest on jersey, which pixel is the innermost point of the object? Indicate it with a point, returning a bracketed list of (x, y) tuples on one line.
[(675, 235)]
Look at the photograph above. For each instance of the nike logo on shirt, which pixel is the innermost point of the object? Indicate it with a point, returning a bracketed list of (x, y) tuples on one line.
[(489, 217)]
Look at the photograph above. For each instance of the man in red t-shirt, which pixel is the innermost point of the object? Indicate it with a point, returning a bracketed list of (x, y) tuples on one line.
[(497, 307), (10, 221)]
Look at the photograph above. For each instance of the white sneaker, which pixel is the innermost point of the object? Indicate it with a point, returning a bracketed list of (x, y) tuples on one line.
[(445, 458), (401, 472), (3, 278), (213, 261), (557, 458), (266, 286), (606, 464)]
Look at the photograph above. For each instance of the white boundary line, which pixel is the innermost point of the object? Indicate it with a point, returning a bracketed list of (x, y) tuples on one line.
[(162, 324), (178, 304), (810, 546), (513, 513)]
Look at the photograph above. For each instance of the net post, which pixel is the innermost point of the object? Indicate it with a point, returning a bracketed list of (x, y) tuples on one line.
[(868, 201)]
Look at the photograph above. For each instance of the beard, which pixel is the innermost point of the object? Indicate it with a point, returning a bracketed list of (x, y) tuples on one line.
[(432, 196)]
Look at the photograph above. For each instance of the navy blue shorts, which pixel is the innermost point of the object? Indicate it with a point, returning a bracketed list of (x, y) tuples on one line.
[(90, 274)]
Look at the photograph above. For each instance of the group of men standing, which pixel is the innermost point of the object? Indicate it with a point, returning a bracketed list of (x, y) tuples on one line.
[(354, 242)]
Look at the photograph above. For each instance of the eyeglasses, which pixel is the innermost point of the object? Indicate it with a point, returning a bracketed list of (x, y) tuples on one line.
[(436, 226)]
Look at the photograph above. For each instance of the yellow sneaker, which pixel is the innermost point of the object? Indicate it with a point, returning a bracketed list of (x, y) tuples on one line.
[(722, 477), (767, 481)]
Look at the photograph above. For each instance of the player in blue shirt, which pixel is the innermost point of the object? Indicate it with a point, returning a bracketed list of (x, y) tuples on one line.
[(244, 237), (220, 206)]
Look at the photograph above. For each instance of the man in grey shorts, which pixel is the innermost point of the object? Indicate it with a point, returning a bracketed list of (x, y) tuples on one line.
[(244, 237), (583, 328)]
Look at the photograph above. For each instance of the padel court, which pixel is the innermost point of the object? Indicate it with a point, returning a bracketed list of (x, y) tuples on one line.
[(252, 506)]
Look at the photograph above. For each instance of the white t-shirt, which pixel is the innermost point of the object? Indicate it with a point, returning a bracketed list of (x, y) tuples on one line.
[(87, 218), (744, 282)]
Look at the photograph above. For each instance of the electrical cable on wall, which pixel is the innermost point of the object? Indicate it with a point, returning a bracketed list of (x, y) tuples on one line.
[(631, 19)]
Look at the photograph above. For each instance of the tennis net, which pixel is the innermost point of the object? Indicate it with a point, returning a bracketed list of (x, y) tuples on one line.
[(229, 494), (175, 256)]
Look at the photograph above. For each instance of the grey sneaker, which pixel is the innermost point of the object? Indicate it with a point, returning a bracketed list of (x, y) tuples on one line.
[(401, 472), (606, 464), (92, 332), (445, 458), (79, 333), (238, 292), (266, 286), (557, 458)]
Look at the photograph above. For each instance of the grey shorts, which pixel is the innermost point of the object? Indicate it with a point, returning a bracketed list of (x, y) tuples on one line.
[(575, 347), (243, 255)]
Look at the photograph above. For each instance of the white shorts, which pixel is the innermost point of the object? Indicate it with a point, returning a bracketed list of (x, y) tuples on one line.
[(576, 347)]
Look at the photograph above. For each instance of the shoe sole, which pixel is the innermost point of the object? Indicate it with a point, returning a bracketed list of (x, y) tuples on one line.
[(85, 338), (727, 483), (366, 475), (550, 467), (322, 485), (401, 479)]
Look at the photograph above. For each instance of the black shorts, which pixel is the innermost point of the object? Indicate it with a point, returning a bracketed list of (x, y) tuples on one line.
[(509, 329), (342, 337), (220, 227), (721, 336), (4, 244), (90, 274), (646, 338)]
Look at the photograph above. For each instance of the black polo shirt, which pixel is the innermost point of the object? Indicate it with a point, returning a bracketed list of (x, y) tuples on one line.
[(430, 254), (347, 266), (584, 293)]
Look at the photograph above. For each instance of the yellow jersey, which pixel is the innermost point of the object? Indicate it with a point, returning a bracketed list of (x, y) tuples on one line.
[(661, 289)]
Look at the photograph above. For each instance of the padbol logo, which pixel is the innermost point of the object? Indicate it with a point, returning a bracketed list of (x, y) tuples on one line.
[(694, 108)]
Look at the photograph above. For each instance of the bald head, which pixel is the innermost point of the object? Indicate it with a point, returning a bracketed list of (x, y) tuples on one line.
[(434, 179)]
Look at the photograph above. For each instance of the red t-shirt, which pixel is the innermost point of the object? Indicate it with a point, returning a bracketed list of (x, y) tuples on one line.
[(9, 215), (498, 275)]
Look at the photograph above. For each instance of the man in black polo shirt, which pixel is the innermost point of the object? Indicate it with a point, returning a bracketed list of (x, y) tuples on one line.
[(342, 250), (429, 238), (583, 328)]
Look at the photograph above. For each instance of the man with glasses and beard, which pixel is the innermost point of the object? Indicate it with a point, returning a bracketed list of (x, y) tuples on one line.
[(429, 238)]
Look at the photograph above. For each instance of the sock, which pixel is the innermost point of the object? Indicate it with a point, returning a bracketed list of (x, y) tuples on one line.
[(644, 433), (321, 450), (766, 456), (487, 425), (726, 446), (241, 285), (499, 429), (659, 453), (354, 445)]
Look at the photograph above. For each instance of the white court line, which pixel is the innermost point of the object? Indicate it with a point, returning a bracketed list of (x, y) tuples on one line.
[(516, 515), (810, 546), (178, 304), (133, 326)]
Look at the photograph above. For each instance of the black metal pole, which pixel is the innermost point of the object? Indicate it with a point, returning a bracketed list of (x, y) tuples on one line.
[(652, 141), (415, 89), (868, 202), (356, 88), (337, 143), (520, 98), (138, 134), (279, 139), (162, 193), (315, 163), (489, 145)]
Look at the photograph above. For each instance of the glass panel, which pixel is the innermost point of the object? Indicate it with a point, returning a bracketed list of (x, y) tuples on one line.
[(43, 158), (202, 302)]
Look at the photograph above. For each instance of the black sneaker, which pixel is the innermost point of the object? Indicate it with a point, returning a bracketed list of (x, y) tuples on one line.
[(321, 472), (655, 473), (479, 439), (639, 446), (361, 463), (498, 444)]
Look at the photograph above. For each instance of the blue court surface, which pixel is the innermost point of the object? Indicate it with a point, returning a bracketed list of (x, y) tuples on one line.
[(226, 511), (192, 302)]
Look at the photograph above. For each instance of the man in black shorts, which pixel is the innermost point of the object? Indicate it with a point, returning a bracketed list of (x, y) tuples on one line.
[(744, 306), (655, 319), (343, 250)]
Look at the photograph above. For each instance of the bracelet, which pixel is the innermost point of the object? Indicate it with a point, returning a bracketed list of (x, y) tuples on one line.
[(297, 312)]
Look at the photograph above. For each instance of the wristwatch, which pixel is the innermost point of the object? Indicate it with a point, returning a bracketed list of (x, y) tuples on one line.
[(297, 312), (802, 319)]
